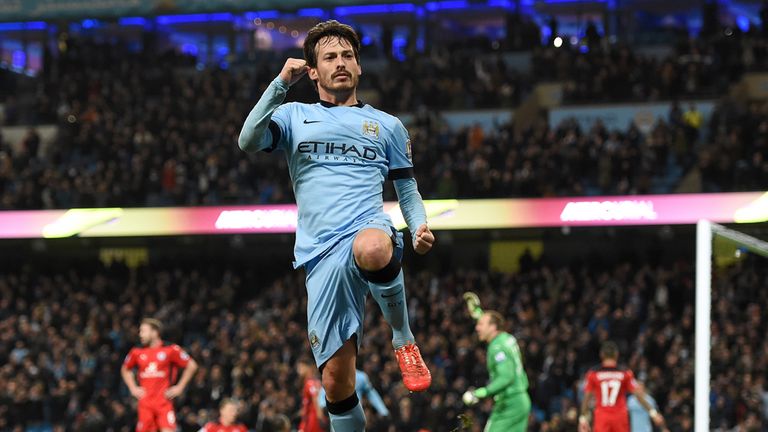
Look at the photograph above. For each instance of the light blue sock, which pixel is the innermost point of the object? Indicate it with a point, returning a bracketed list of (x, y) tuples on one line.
[(350, 420), (391, 299)]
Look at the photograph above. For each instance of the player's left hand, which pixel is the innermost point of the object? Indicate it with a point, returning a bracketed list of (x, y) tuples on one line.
[(174, 391), (423, 240)]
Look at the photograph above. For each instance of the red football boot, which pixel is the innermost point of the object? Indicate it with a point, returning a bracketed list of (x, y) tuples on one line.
[(416, 376)]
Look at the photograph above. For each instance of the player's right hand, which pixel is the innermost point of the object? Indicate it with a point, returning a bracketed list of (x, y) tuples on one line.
[(138, 392), (293, 70), (473, 305)]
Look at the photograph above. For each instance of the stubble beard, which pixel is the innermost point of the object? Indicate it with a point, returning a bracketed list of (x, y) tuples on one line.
[(340, 88)]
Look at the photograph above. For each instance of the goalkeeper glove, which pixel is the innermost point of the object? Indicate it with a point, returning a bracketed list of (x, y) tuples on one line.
[(473, 305), (471, 397)]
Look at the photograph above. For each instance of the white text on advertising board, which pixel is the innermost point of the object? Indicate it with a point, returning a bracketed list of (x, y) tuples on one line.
[(588, 211)]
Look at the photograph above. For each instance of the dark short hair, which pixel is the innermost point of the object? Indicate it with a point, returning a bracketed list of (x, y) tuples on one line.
[(332, 29), (609, 350), (154, 323), (496, 319)]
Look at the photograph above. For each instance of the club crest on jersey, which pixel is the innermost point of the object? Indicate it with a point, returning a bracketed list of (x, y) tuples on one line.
[(371, 129), (161, 356), (314, 341)]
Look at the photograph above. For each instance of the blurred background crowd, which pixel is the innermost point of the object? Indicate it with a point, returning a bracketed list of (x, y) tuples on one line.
[(140, 129), (65, 333)]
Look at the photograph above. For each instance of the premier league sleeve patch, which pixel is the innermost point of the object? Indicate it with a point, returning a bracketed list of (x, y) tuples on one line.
[(408, 151)]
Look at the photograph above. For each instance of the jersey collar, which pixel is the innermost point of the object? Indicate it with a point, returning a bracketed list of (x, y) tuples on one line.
[(327, 104), (496, 337)]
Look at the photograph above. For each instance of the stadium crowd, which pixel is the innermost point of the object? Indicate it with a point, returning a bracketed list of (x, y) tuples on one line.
[(64, 333), (144, 129), (190, 159), (693, 68)]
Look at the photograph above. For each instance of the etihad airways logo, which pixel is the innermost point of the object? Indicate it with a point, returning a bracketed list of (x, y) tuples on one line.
[(317, 150)]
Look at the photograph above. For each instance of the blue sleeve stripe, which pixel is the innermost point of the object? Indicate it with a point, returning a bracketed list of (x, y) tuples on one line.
[(401, 173), (274, 129)]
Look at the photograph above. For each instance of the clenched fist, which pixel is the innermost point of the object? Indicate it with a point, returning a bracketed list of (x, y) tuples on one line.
[(423, 240), (293, 70)]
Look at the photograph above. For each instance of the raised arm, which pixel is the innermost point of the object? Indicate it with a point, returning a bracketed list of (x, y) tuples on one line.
[(258, 132)]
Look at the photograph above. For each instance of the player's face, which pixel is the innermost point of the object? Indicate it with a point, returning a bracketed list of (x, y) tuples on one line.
[(337, 68), (484, 328), (147, 334), (228, 414)]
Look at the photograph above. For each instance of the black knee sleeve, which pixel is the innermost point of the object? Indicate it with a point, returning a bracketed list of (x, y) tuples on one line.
[(342, 406), (383, 275)]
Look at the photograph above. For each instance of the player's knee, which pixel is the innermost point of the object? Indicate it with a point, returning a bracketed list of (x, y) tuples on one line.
[(338, 373), (372, 249), (338, 386)]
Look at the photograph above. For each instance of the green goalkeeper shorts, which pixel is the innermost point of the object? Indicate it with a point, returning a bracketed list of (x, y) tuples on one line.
[(510, 414)]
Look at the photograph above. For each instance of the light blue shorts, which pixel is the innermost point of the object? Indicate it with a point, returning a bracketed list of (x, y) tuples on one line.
[(336, 294)]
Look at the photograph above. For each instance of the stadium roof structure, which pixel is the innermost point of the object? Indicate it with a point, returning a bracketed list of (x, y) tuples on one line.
[(656, 6), (48, 10), (44, 10)]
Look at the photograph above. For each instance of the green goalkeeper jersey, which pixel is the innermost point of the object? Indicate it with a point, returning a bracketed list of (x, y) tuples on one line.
[(505, 368)]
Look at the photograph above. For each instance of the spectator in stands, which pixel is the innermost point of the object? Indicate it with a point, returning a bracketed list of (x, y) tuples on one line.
[(63, 336), (135, 130)]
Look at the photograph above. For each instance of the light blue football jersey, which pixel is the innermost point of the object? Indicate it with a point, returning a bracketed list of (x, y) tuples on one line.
[(640, 420), (338, 159)]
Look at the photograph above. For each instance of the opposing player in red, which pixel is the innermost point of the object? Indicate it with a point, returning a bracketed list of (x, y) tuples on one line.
[(157, 365), (227, 417), (312, 414), (610, 385)]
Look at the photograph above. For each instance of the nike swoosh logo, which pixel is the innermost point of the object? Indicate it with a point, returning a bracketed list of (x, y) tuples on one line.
[(311, 121), (392, 295)]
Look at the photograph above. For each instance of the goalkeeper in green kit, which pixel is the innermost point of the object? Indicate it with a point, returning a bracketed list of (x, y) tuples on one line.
[(509, 384)]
